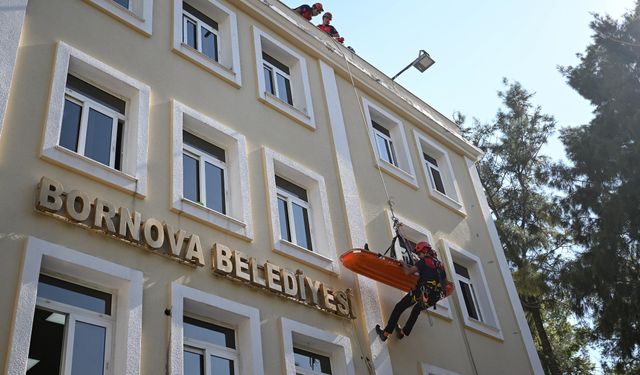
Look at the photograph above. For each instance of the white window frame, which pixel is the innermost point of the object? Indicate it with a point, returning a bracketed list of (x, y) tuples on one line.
[(203, 158), (228, 65), (87, 104), (132, 176), (126, 284), (291, 199), (139, 16), (237, 220), (323, 255), (273, 76), (388, 143), (208, 349), (302, 108), (75, 314), (452, 199), (490, 324), (416, 233), (336, 347), (188, 17), (245, 320), (404, 170), (428, 369)]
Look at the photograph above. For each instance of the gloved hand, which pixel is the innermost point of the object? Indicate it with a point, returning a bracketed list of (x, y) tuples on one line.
[(340, 39)]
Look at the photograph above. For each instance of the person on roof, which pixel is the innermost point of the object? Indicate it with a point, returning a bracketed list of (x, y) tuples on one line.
[(329, 29), (308, 12), (429, 289)]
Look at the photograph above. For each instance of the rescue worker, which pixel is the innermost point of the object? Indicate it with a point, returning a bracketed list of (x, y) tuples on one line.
[(309, 12), (429, 289), (329, 29)]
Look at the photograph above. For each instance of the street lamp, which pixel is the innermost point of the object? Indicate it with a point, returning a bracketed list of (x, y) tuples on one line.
[(422, 63)]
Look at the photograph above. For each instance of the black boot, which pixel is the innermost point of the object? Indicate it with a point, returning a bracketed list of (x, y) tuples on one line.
[(380, 333), (399, 333)]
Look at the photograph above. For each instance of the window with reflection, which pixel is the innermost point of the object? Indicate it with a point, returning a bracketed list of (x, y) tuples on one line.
[(293, 211), (277, 78), (209, 349), (204, 173), (468, 292), (384, 143), (200, 32), (434, 172), (72, 329), (123, 3), (310, 363), (93, 122)]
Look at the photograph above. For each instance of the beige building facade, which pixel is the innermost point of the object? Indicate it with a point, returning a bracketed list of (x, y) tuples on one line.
[(180, 178)]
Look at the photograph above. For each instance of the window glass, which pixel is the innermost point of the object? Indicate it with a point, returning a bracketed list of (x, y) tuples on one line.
[(47, 339), (190, 178), (204, 146), (193, 363), (70, 125), (283, 212), (284, 88), (301, 222), (214, 184), (124, 3), (208, 332), (469, 301), (88, 349), (190, 30), (275, 63), (99, 137), (268, 80), (209, 43), (312, 361), (75, 295), (461, 270), (221, 366)]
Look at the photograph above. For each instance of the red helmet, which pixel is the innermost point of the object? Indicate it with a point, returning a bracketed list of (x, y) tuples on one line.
[(327, 14), (318, 7), (424, 247)]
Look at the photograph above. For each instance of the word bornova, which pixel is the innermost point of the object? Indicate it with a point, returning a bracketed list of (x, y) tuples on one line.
[(159, 237)]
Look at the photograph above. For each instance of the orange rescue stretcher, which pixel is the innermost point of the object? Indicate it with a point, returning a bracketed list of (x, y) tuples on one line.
[(383, 269)]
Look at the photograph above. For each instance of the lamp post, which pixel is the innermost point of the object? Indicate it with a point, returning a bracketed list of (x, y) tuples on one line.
[(422, 63)]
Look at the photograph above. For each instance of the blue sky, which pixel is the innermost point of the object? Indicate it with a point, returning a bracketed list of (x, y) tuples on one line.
[(475, 44)]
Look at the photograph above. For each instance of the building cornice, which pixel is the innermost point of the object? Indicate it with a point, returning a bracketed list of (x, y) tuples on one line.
[(367, 78)]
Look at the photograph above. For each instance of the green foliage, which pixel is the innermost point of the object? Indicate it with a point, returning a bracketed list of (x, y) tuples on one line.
[(516, 178), (603, 189)]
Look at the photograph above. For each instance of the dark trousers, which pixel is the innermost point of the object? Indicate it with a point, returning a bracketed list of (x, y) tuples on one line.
[(406, 302)]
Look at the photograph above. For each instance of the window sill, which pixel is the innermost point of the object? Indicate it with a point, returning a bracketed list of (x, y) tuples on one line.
[(309, 257), (483, 328), (126, 16), (91, 168), (398, 173), (208, 64), (213, 218), (447, 202), (287, 109)]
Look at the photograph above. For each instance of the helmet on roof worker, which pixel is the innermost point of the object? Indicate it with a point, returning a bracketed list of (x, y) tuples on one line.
[(318, 7), (327, 14), (424, 247)]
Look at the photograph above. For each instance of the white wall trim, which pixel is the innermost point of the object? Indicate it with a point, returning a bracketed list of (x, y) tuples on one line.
[(127, 283), (504, 270), (302, 109), (490, 325), (228, 66), (324, 254), (404, 171), (238, 219), (139, 17), (338, 347), (245, 320), (370, 308), (133, 176), (450, 200), (11, 21)]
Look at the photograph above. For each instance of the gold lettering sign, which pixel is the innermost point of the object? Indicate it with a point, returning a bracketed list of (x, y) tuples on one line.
[(78, 208)]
